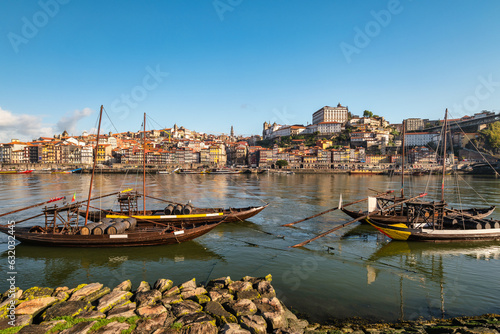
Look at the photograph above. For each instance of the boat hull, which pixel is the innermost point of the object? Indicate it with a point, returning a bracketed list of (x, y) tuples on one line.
[(140, 237), (198, 216), (402, 232)]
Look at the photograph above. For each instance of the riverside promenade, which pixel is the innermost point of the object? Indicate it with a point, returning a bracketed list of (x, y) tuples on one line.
[(245, 306)]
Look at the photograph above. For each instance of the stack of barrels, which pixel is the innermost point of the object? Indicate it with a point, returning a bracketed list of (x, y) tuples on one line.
[(178, 209), (109, 226)]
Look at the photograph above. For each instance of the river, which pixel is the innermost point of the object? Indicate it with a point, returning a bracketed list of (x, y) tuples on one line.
[(354, 271)]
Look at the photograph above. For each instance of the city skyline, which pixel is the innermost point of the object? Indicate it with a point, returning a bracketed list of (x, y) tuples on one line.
[(241, 63)]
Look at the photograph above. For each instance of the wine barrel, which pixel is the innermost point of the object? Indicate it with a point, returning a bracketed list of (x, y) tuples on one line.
[(130, 223), (178, 209), (100, 229), (107, 220), (169, 209), (486, 225), (87, 229), (495, 225), (187, 209), (116, 228)]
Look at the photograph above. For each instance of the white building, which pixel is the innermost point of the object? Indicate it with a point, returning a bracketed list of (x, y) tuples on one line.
[(421, 138), (331, 114), (326, 128)]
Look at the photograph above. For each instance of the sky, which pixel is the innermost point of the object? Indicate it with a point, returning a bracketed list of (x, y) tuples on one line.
[(208, 65)]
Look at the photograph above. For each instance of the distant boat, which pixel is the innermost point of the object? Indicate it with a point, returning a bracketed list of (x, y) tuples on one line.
[(76, 170), (365, 172), (190, 171), (16, 171), (224, 171)]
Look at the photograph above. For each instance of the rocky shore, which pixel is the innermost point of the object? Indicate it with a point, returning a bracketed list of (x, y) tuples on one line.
[(222, 306)]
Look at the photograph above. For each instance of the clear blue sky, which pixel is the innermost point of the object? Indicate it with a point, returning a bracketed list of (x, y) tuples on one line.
[(241, 62)]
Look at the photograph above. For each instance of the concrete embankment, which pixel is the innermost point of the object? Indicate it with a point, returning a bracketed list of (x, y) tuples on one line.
[(222, 306)]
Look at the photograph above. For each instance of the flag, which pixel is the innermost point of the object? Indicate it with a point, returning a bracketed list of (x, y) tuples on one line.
[(74, 197), (340, 202)]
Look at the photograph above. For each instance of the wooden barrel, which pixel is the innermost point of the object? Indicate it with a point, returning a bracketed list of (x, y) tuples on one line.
[(187, 209), (87, 230), (495, 225), (99, 229), (116, 228), (178, 209), (130, 223), (107, 220), (169, 209), (486, 225)]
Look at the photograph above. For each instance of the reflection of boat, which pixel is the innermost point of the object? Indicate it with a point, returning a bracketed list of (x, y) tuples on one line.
[(16, 171), (190, 171), (224, 171), (483, 250)]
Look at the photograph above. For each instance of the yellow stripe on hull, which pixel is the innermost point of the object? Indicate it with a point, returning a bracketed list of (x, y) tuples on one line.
[(394, 233), (200, 215)]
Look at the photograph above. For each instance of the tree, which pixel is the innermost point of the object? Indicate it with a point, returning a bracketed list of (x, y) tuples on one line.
[(281, 163), (367, 113), (492, 135)]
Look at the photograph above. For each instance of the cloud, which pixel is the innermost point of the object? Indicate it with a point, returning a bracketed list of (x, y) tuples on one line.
[(68, 123), (23, 127)]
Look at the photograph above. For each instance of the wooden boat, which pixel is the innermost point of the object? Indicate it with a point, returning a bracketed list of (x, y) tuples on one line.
[(76, 170), (224, 171), (59, 231), (16, 171), (427, 222), (189, 171), (173, 213), (365, 172)]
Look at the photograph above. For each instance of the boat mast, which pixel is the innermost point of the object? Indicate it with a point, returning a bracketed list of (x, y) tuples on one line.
[(444, 153), (93, 167), (144, 167), (403, 163)]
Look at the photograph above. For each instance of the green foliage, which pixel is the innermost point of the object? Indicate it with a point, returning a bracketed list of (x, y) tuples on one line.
[(176, 325), (12, 330), (281, 163), (367, 113), (491, 135)]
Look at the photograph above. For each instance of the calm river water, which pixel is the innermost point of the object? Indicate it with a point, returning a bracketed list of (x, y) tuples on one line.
[(353, 272)]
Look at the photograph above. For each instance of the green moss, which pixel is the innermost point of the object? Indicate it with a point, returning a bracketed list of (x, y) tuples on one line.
[(12, 330), (176, 325), (79, 287)]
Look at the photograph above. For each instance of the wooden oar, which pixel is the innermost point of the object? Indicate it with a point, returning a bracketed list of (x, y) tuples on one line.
[(21, 221), (353, 221), (33, 206), (333, 209)]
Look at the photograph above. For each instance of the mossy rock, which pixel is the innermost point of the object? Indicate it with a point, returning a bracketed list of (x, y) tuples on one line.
[(37, 292)]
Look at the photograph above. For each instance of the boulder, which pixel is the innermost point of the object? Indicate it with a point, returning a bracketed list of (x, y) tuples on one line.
[(239, 286), (163, 285), (222, 296), (220, 283), (201, 299), (96, 295), (21, 320), (126, 310), (265, 289), (172, 292), (186, 307), (149, 325), (124, 286), (242, 307), (231, 328), (79, 328), (171, 300), (254, 323), (85, 291), (200, 328), (191, 284), (112, 299), (37, 292), (35, 306), (273, 312), (189, 293), (113, 328), (37, 329), (147, 298), (198, 317), (219, 313), (248, 294), (150, 311), (144, 286), (69, 308)]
